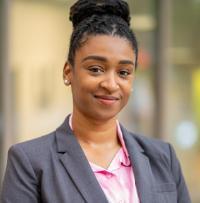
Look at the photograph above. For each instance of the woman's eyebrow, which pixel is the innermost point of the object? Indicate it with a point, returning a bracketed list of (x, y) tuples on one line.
[(124, 62), (93, 57), (103, 59)]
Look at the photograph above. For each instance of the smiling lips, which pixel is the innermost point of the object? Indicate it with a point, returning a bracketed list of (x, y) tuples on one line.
[(107, 99)]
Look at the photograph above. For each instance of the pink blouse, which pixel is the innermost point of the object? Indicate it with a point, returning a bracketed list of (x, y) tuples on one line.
[(117, 181)]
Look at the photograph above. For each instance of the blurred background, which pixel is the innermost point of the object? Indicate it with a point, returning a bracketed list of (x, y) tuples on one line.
[(165, 103)]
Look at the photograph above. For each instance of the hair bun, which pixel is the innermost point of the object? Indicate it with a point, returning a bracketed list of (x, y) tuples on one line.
[(83, 9)]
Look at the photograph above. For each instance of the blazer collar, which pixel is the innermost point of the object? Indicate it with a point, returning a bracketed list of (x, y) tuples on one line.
[(77, 165), (141, 168)]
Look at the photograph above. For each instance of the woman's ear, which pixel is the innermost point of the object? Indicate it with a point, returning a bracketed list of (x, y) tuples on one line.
[(67, 73)]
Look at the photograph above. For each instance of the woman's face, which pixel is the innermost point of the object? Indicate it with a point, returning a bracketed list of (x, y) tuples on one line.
[(101, 79)]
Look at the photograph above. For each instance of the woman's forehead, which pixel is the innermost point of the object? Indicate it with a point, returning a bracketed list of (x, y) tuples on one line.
[(106, 45)]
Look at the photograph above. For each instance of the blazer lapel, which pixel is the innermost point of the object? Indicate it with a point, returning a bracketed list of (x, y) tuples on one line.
[(77, 165), (141, 167)]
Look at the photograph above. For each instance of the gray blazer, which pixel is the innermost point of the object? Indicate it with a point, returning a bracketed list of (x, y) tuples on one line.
[(54, 169)]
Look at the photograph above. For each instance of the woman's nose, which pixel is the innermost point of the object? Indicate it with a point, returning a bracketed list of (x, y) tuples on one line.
[(110, 82)]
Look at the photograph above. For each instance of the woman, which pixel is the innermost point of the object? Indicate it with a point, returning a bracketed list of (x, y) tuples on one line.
[(91, 157)]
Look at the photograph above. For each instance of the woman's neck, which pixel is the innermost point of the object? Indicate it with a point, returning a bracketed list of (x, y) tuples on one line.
[(94, 132), (98, 139)]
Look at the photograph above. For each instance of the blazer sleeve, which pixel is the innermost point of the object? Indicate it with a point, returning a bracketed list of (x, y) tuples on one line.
[(20, 181), (182, 191)]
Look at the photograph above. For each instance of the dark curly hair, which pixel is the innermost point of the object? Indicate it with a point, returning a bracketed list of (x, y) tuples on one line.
[(100, 17)]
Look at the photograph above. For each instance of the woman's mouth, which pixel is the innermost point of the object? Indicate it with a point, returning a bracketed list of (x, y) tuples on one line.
[(106, 99)]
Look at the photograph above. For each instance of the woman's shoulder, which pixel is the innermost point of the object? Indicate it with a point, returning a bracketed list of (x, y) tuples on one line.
[(151, 142), (152, 147), (38, 141), (37, 147)]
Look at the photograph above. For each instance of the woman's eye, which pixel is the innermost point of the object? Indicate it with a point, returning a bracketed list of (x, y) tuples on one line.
[(124, 73), (95, 69)]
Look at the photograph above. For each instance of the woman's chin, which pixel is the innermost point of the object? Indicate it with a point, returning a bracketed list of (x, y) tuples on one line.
[(104, 116)]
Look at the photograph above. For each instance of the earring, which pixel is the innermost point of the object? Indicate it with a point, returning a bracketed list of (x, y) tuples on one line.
[(67, 82)]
